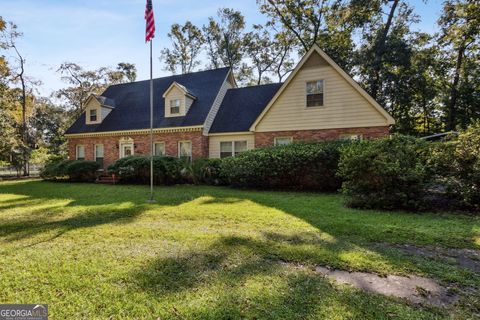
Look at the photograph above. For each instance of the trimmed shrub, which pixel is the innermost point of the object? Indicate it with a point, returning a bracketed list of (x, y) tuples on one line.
[(136, 169), (303, 166), (389, 173), (55, 170), (82, 171), (72, 170)]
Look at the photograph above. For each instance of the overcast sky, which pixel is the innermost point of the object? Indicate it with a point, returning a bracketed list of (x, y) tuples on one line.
[(98, 33)]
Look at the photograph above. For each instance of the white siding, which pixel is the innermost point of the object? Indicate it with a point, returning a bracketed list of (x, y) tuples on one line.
[(344, 106), (216, 105), (214, 142), (173, 94)]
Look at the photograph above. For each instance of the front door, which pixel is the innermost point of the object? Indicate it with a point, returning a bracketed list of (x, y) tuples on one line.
[(126, 150)]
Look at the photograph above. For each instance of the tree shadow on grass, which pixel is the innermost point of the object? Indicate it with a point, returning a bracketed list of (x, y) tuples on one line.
[(57, 208), (246, 278)]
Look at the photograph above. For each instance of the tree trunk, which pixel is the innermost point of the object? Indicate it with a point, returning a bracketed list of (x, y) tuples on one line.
[(380, 49), (452, 105)]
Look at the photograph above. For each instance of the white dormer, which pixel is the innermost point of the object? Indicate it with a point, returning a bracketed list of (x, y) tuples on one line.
[(177, 100), (97, 108)]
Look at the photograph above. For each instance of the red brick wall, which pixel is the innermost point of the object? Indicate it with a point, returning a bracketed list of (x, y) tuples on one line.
[(263, 139), (141, 145)]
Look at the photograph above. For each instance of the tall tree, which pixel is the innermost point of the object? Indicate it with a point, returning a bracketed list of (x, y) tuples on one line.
[(83, 82), (460, 32), (260, 49), (224, 37), (187, 42)]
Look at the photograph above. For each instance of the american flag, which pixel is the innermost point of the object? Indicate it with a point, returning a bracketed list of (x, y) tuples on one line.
[(150, 22)]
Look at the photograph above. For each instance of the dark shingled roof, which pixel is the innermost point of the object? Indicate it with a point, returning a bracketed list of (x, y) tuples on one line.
[(132, 103), (241, 107)]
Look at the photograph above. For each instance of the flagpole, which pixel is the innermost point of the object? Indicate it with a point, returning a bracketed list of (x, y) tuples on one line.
[(151, 124)]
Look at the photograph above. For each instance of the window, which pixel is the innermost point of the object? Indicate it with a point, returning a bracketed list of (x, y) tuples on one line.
[(80, 152), (352, 137), (315, 93), (93, 115), (283, 141), (240, 146), (185, 149), (226, 149), (232, 148), (99, 154), (159, 148), (175, 106)]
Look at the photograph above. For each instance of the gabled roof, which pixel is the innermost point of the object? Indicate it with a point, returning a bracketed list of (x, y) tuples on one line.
[(132, 103), (182, 88), (316, 49), (241, 106), (103, 101)]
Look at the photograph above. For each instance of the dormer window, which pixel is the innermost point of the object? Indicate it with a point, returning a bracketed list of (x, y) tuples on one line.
[(175, 106), (93, 115), (178, 100)]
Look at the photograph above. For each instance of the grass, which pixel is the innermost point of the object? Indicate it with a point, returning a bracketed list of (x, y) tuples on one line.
[(95, 251)]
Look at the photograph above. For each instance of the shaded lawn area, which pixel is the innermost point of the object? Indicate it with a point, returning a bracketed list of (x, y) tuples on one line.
[(96, 251)]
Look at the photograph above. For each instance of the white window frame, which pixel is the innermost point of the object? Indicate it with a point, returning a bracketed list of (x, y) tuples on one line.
[(179, 106), (95, 151), (90, 115), (76, 151), (306, 93), (277, 138), (124, 144), (179, 148), (155, 147), (232, 142)]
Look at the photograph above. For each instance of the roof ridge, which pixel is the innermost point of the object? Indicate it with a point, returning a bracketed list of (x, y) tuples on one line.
[(258, 85), (170, 76)]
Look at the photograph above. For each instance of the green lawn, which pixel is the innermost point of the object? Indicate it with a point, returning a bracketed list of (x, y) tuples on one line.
[(94, 251)]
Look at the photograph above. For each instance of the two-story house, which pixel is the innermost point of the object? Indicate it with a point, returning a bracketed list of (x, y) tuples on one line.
[(204, 114)]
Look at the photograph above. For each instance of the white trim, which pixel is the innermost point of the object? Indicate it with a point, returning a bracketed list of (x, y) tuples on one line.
[(275, 139), (133, 132), (181, 88), (191, 147), (123, 143), (212, 113), (306, 94), (232, 142), (76, 151), (355, 85), (230, 133), (95, 151), (159, 142)]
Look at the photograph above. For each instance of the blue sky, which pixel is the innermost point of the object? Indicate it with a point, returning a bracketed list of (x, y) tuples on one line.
[(98, 33)]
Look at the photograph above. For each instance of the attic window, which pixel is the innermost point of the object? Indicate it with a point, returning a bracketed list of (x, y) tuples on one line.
[(93, 115), (315, 93), (175, 106)]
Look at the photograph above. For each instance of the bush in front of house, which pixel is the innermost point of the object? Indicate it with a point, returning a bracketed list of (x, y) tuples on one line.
[(457, 167), (72, 170), (136, 169), (301, 166), (389, 173), (203, 171), (82, 170)]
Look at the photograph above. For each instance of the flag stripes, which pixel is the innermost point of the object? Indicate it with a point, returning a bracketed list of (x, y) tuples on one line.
[(150, 22)]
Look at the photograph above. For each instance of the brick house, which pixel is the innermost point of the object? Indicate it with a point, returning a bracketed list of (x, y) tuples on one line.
[(204, 114)]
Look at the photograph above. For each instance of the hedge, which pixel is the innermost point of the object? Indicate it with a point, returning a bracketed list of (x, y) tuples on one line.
[(388, 173), (72, 170), (301, 166), (136, 169)]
